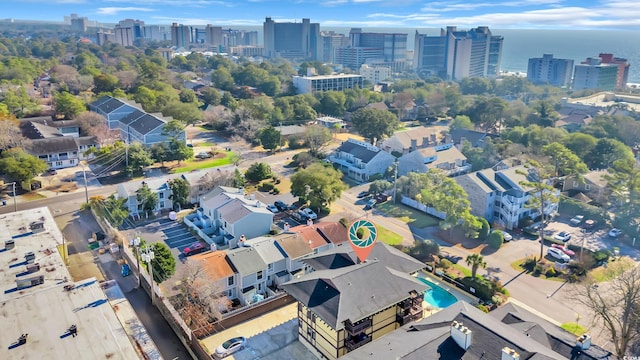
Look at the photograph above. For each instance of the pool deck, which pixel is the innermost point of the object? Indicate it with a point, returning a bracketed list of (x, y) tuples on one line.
[(459, 294)]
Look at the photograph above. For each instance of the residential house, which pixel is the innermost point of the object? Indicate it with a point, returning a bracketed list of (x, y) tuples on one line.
[(378, 106), (276, 273), (592, 184), (322, 236), (501, 197), (57, 142), (360, 160), (461, 331), (449, 160), (420, 137), (295, 249), (572, 119), (341, 308), (134, 124), (220, 271), (476, 138), (202, 182), (129, 191), (252, 274), (331, 123)]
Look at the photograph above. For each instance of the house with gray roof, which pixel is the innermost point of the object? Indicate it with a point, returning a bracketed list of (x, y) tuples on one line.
[(129, 191), (501, 197), (476, 138), (450, 160), (359, 160), (461, 331), (252, 273), (592, 184), (277, 272), (341, 309)]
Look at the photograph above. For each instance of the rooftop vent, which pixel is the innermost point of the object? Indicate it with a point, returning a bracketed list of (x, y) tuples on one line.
[(509, 354), (29, 256), (583, 342), (9, 244), (461, 335)]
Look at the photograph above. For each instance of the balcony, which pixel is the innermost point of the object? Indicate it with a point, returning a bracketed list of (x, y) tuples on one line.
[(413, 315), (358, 327), (356, 342)]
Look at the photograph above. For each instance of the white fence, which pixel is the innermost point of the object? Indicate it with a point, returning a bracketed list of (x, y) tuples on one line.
[(422, 207)]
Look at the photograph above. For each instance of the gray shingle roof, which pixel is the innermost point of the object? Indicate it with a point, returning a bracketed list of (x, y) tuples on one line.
[(266, 248), (352, 292), (51, 145), (110, 105), (246, 260), (358, 151), (146, 124), (132, 117)]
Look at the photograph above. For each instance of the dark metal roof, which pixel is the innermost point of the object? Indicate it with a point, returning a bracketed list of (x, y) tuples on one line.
[(51, 145), (146, 124), (110, 105), (358, 151), (132, 117)]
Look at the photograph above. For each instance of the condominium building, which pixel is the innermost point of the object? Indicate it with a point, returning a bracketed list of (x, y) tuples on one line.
[(623, 68), (594, 74), (329, 42), (339, 82), (156, 33), (246, 50), (79, 24), (385, 48), (104, 36), (180, 35), (291, 40), (375, 74), (547, 70), (213, 35), (455, 54)]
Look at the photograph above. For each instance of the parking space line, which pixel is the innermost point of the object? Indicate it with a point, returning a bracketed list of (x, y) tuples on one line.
[(184, 243)]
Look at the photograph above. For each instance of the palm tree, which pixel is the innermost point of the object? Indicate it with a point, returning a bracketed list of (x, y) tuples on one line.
[(475, 261)]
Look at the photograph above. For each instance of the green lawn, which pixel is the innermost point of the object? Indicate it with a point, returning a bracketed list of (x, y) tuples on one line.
[(407, 215), (465, 271), (613, 269), (206, 143), (574, 328), (196, 164), (388, 237)]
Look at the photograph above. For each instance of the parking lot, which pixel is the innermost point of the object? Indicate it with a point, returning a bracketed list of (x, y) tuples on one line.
[(177, 236)]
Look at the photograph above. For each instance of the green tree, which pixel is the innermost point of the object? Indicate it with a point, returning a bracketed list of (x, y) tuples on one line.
[(318, 184), (258, 172), (188, 96), (18, 102), (461, 122), (331, 103), (188, 113), (623, 183), (174, 129), (270, 138), (496, 239), (139, 158), (475, 86), (20, 166), (475, 261), (211, 96), (147, 198), (379, 186), (228, 101), (163, 262), (484, 231), (374, 124), (222, 79), (487, 113), (105, 83), (424, 250), (316, 137), (606, 152), (178, 150), (580, 144), (179, 191), (564, 162), (159, 153), (67, 105)]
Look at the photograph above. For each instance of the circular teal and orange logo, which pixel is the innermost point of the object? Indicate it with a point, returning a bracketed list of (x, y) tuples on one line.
[(362, 236)]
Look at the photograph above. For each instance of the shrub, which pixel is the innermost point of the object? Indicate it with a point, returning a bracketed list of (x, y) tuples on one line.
[(483, 288), (496, 239), (484, 232), (497, 299), (375, 177), (266, 186), (345, 222), (537, 270), (276, 191), (445, 264), (258, 172), (296, 141), (483, 308), (529, 263), (601, 255), (551, 272)]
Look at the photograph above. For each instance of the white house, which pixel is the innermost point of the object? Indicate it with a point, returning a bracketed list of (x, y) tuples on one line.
[(129, 191), (450, 160), (359, 160), (252, 274), (419, 137), (276, 262)]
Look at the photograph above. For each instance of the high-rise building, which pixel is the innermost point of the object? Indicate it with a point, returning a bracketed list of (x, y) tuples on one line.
[(547, 70), (291, 40), (375, 74), (79, 24), (180, 35), (156, 33), (104, 36), (593, 74), (127, 31), (364, 47), (213, 35), (329, 42), (455, 55), (623, 68)]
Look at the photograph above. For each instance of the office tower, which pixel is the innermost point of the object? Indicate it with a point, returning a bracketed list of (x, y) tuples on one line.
[(103, 37), (623, 68), (213, 35), (156, 33), (365, 47), (455, 54), (329, 42), (79, 24), (593, 74), (547, 70), (127, 31), (180, 35), (250, 38), (291, 40)]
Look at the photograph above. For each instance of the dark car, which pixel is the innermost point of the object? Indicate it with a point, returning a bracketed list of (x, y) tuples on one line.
[(193, 249), (370, 204), (281, 205), (363, 194)]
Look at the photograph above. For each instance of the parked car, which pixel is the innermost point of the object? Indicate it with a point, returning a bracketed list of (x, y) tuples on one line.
[(203, 155), (299, 217), (558, 254), (380, 198), (281, 205), (125, 270), (614, 233), (506, 236), (51, 172), (194, 248), (363, 194), (564, 249), (576, 220), (308, 213), (230, 346), (271, 207), (370, 204), (563, 236)]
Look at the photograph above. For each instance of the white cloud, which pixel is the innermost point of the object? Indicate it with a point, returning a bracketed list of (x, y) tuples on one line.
[(115, 10), (177, 3)]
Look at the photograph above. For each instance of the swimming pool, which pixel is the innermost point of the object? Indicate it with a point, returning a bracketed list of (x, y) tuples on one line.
[(437, 296)]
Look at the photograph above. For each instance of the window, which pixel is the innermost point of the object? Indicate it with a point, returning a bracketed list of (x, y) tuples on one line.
[(161, 195), (229, 293), (230, 280), (72, 161), (587, 187), (259, 286), (270, 267), (161, 204), (259, 276), (58, 163)]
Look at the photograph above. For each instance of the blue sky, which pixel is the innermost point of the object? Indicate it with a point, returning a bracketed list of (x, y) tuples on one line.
[(502, 14)]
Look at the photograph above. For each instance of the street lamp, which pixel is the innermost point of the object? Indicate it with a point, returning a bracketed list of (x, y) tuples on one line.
[(15, 205), (136, 248), (395, 180), (147, 256)]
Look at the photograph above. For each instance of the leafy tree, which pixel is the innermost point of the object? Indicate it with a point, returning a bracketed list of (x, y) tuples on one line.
[(114, 208), (105, 83), (222, 79), (20, 166), (304, 159), (10, 134), (147, 198), (188, 96), (211, 96), (228, 101), (159, 152), (188, 113), (270, 138), (496, 239), (178, 150), (424, 250), (475, 86), (580, 144), (174, 129), (179, 191), (480, 157), (461, 122), (96, 125), (563, 160), (544, 115), (484, 231), (18, 102), (316, 137), (379, 186), (623, 183), (374, 124), (164, 263), (139, 157), (475, 261), (258, 172), (68, 105), (615, 309), (606, 152), (331, 103), (487, 113), (318, 184)]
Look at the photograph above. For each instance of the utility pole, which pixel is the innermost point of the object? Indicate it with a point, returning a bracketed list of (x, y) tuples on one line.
[(148, 257), (136, 248), (86, 191), (395, 181), (15, 205)]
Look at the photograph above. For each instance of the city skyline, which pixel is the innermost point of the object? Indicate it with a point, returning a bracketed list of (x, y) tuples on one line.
[(522, 14)]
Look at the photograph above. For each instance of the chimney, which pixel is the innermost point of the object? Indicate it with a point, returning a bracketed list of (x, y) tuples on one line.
[(583, 342), (258, 204), (414, 144), (425, 141), (433, 138), (287, 226), (509, 354), (461, 335), (242, 240), (309, 222)]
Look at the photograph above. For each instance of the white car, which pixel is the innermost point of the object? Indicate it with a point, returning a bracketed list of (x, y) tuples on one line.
[(563, 236), (506, 236), (615, 233), (558, 254), (308, 213), (230, 346), (576, 220), (272, 208)]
